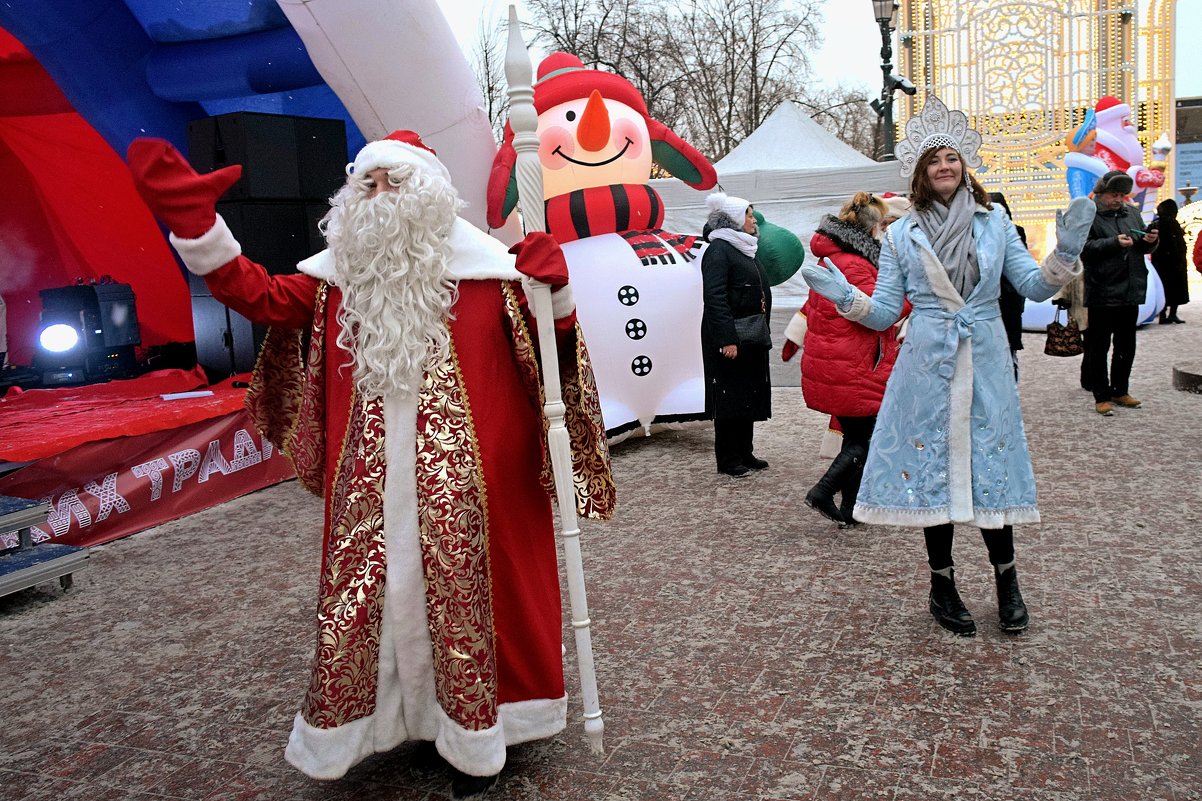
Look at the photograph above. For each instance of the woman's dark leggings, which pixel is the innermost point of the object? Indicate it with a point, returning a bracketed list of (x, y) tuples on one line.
[(998, 541), (857, 432)]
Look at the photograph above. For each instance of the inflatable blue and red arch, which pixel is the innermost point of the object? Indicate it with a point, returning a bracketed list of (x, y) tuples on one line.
[(79, 80)]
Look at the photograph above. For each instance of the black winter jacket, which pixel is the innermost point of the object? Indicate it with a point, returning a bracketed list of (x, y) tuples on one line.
[(735, 285), (1114, 275)]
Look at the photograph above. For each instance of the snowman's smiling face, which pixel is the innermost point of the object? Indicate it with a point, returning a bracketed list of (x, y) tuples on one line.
[(592, 142)]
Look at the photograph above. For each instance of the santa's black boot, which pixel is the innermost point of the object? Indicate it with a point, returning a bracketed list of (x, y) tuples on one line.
[(464, 787), (1011, 611), (947, 608)]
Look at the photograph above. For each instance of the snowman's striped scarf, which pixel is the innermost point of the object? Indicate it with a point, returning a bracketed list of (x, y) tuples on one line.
[(634, 211)]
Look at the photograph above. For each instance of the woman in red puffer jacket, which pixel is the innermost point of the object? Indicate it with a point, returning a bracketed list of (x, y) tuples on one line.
[(844, 365)]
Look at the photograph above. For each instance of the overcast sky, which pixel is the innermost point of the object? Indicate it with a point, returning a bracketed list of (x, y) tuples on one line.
[(849, 28)]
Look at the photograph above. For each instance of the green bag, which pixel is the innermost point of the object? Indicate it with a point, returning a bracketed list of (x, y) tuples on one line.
[(780, 251)]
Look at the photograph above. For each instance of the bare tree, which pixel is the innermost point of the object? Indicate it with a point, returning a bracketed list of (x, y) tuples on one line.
[(488, 62), (712, 70), (632, 38), (742, 59), (847, 115)]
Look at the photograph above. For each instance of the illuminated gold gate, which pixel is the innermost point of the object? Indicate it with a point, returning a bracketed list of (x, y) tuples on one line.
[(1026, 71)]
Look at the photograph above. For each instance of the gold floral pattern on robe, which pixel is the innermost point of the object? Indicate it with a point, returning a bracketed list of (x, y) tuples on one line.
[(453, 524), (286, 398), (343, 684), (592, 477)]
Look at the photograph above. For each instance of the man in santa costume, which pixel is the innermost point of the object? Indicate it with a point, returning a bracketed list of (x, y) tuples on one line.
[(400, 377)]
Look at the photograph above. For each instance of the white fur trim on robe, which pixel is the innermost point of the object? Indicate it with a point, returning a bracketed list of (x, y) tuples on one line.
[(212, 249), (407, 705), (959, 435), (474, 255)]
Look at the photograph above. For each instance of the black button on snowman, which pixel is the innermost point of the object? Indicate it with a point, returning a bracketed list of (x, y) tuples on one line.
[(635, 329)]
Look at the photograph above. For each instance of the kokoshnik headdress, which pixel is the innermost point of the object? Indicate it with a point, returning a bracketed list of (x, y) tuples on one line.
[(936, 126)]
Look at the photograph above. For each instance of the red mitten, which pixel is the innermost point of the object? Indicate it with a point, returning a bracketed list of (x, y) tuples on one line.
[(181, 198), (540, 257), (789, 350)]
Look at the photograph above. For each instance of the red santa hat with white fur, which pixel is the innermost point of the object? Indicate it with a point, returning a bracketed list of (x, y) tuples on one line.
[(399, 147)]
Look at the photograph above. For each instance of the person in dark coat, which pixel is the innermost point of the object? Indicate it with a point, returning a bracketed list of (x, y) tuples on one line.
[(1169, 261), (1011, 300), (737, 387), (1116, 284), (1116, 281), (844, 366)]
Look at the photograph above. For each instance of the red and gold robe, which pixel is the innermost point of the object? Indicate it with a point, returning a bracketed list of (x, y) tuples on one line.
[(439, 613)]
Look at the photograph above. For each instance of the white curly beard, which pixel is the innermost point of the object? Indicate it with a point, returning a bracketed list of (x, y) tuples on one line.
[(391, 257)]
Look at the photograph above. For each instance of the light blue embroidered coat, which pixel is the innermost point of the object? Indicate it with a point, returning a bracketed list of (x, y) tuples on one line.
[(949, 445)]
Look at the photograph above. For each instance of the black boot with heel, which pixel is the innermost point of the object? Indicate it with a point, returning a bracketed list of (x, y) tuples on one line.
[(947, 608), (821, 496), (1011, 611), (851, 485)]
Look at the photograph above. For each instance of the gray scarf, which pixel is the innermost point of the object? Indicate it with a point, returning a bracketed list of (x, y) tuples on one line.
[(950, 230)]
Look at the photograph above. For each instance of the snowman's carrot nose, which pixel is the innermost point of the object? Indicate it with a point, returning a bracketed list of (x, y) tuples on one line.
[(593, 131)]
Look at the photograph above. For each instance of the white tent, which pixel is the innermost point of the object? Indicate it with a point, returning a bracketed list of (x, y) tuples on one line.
[(793, 171)]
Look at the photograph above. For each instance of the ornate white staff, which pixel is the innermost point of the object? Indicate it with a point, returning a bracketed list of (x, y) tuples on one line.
[(524, 121)]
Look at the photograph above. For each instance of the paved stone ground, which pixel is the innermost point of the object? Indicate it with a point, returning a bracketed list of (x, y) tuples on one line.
[(747, 650)]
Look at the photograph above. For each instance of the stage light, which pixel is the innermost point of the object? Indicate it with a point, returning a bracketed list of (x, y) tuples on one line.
[(88, 334), (58, 338)]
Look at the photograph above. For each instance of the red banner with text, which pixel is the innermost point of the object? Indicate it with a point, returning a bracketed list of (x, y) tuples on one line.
[(104, 490)]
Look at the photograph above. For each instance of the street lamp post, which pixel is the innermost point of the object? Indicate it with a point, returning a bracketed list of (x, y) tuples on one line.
[(886, 18)]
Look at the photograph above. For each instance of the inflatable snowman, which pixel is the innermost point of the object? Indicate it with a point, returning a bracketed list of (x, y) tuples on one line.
[(637, 288)]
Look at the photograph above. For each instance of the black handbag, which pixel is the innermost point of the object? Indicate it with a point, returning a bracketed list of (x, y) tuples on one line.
[(752, 331), (1063, 340)]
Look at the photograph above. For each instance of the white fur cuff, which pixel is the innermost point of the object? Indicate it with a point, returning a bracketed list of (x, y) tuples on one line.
[(210, 250), (795, 331), (1057, 272), (562, 302), (861, 307)]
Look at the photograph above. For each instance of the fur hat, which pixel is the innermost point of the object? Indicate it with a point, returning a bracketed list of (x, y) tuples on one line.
[(733, 207), (1114, 181), (399, 147)]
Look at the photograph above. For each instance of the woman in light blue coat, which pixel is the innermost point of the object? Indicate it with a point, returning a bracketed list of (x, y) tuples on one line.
[(949, 445)]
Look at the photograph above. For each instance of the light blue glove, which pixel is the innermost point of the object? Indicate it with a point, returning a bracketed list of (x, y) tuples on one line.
[(1072, 228), (829, 283)]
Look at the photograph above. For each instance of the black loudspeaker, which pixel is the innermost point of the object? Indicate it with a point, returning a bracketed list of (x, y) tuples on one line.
[(226, 342), (291, 166), (275, 235), (321, 154), (282, 157)]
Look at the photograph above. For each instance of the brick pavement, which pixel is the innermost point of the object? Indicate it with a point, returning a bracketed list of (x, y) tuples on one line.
[(747, 650)]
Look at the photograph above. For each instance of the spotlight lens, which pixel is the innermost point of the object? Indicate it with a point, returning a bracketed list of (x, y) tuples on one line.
[(58, 338)]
